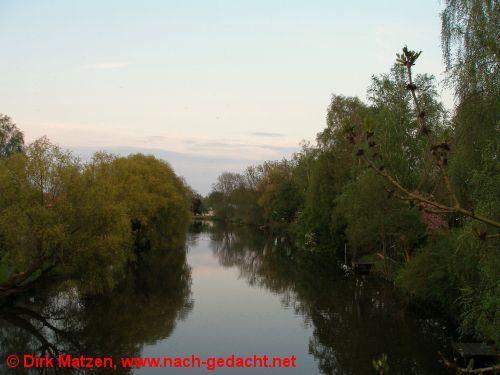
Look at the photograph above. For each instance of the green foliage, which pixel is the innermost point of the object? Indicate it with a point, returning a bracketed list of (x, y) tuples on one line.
[(11, 138), (381, 365), (157, 201), (395, 138), (470, 42), (279, 196), (376, 223), (86, 221), (476, 265), (458, 273), (198, 205), (470, 47), (408, 57), (316, 219), (222, 198), (286, 202), (429, 277), (326, 195), (263, 194)]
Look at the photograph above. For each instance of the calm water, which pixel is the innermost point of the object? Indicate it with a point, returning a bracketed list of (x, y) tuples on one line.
[(227, 292)]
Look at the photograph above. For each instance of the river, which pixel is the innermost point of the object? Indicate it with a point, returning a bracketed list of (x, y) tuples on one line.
[(232, 291)]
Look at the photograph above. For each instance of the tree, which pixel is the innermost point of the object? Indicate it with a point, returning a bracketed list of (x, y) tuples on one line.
[(277, 193), (197, 204), (470, 42), (86, 222), (222, 193), (11, 138), (157, 201), (51, 218), (439, 148)]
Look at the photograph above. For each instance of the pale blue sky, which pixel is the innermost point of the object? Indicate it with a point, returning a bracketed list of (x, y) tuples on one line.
[(210, 85)]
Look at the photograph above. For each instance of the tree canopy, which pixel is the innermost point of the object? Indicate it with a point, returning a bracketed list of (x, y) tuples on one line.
[(401, 182), (11, 138), (85, 221)]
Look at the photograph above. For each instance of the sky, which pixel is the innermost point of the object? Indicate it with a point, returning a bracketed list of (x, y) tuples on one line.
[(207, 85)]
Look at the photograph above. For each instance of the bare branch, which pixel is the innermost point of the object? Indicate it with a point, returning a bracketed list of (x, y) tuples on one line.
[(439, 151), (412, 196), (463, 370)]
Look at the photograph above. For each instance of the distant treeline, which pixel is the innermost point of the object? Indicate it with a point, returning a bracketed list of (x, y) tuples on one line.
[(83, 222), (406, 184)]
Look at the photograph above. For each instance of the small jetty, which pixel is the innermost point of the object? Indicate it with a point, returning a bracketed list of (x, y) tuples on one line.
[(475, 350), (361, 267)]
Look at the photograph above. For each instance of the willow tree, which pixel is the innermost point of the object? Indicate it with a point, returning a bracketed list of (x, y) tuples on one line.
[(11, 138), (52, 219), (85, 221), (470, 41), (457, 270)]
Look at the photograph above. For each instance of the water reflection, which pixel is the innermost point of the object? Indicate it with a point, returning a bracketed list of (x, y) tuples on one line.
[(346, 321), (353, 320), (145, 308)]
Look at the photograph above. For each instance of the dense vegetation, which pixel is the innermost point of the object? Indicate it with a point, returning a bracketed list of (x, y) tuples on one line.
[(401, 181), (352, 321), (84, 222)]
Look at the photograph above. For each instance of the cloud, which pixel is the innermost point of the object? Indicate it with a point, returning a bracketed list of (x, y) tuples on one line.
[(200, 160), (264, 134), (153, 138), (109, 65), (241, 146)]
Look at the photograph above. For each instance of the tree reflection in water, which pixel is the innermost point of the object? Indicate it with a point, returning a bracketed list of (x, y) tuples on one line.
[(353, 319), (142, 310)]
